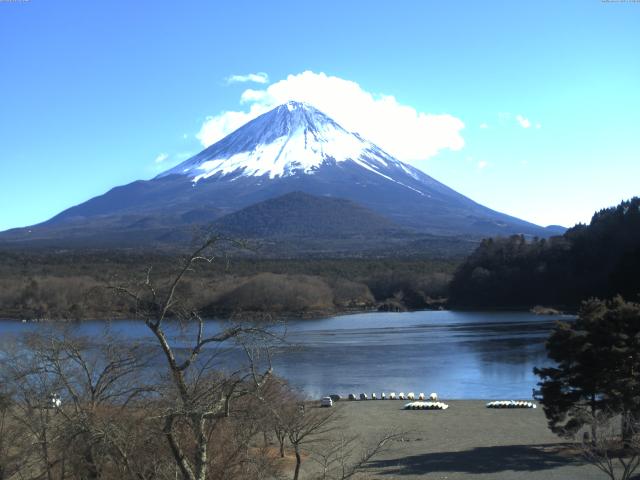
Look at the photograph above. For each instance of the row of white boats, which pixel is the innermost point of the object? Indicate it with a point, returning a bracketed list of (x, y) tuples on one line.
[(392, 396), (510, 404), (421, 402), (426, 406), (444, 406)]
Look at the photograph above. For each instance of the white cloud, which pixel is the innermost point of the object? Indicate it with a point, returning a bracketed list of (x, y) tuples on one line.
[(250, 95), (524, 122), (399, 129), (161, 158), (482, 164), (484, 125), (259, 77), (217, 127)]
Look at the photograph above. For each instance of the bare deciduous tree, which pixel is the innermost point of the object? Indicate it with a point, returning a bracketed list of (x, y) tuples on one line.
[(306, 426), (12, 438), (344, 457), (77, 402), (615, 456), (30, 387), (104, 410), (199, 394)]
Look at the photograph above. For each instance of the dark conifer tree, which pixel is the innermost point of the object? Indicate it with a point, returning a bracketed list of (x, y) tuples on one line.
[(597, 365)]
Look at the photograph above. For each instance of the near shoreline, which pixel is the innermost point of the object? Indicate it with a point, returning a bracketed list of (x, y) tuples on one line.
[(467, 441)]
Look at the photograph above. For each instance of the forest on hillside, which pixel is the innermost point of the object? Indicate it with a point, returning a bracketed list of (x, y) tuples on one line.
[(601, 259), (73, 285)]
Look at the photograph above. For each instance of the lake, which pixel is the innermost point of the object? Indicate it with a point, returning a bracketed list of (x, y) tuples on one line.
[(459, 355)]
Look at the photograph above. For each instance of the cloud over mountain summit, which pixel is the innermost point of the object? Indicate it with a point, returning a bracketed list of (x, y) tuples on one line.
[(403, 131)]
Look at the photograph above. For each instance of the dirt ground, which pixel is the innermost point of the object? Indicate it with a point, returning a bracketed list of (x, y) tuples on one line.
[(466, 441)]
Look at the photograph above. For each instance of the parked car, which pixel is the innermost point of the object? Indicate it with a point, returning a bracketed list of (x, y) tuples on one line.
[(326, 402)]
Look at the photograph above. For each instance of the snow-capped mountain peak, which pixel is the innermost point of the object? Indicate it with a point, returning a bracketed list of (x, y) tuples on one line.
[(292, 148), (292, 139)]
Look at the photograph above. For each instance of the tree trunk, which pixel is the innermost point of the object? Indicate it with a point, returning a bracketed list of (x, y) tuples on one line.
[(178, 455), (63, 467), (201, 447), (282, 437), (298, 462), (627, 428), (92, 469), (45, 447), (594, 426)]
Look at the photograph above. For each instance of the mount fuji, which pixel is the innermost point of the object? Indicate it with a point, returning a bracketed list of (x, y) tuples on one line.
[(293, 148)]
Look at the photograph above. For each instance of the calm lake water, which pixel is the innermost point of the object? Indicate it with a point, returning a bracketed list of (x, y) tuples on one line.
[(460, 355)]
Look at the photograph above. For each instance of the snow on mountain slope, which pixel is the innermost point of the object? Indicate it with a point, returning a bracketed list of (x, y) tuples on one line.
[(292, 148), (294, 138)]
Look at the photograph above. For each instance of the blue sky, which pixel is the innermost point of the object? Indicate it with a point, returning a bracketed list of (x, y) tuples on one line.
[(95, 94)]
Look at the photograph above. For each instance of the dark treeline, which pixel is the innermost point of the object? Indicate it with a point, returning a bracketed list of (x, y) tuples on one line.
[(601, 259), (71, 284)]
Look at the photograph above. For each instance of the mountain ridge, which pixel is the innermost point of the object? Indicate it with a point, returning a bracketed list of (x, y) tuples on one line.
[(292, 148), (300, 214)]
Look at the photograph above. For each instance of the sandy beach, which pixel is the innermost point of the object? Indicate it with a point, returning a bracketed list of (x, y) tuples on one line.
[(466, 441)]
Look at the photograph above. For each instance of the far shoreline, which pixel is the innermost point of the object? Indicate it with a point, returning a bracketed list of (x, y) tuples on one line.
[(310, 315)]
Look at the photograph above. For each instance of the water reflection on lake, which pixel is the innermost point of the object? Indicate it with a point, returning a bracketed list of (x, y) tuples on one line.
[(457, 354)]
